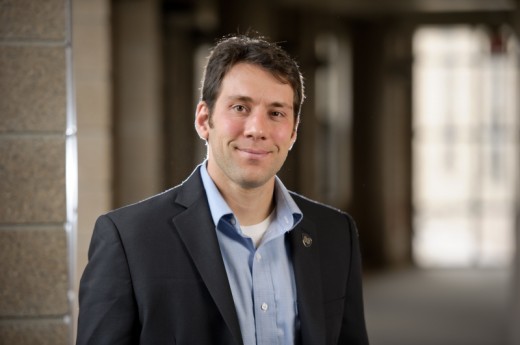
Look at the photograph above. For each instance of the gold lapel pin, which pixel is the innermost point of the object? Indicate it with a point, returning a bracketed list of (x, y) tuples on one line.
[(307, 240)]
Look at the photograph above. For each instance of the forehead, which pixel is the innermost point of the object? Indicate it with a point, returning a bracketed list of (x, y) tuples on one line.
[(245, 79)]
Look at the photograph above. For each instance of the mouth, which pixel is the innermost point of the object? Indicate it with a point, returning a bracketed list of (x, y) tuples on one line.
[(253, 152)]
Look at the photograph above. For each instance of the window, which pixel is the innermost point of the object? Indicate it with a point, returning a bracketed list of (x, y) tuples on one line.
[(465, 145)]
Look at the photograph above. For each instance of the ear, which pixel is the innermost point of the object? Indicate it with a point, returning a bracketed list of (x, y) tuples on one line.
[(293, 139), (294, 134), (202, 120)]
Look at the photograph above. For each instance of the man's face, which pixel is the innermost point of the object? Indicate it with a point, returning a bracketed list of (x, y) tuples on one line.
[(251, 130)]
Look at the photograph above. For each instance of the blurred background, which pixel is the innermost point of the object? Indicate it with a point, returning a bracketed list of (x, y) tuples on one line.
[(411, 124)]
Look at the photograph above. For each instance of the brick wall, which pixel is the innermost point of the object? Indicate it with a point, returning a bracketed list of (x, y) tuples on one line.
[(37, 144)]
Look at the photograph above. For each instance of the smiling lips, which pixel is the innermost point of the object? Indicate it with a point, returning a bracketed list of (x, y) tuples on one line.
[(254, 152)]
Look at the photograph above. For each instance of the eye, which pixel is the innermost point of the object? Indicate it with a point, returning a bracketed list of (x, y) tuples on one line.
[(239, 108), (277, 114)]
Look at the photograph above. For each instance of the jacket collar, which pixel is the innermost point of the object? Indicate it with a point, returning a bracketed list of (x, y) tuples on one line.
[(197, 231), (306, 265)]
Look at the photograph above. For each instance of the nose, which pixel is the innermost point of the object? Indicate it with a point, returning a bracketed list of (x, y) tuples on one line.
[(256, 125)]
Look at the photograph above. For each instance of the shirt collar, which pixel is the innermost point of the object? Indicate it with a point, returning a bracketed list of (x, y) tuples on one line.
[(288, 213)]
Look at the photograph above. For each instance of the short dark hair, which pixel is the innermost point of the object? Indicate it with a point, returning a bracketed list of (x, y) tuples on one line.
[(254, 50)]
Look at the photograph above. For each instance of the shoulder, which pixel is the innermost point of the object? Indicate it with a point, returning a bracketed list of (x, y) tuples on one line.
[(168, 203), (323, 215), (145, 210), (315, 207)]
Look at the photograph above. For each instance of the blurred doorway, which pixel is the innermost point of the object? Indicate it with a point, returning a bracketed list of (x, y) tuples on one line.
[(465, 145)]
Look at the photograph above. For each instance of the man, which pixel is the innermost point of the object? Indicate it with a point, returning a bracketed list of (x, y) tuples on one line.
[(229, 256)]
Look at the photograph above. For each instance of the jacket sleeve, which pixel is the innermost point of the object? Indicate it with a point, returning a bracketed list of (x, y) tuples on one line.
[(107, 308), (353, 330)]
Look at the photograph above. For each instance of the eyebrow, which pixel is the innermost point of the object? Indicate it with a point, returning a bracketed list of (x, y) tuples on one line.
[(250, 100)]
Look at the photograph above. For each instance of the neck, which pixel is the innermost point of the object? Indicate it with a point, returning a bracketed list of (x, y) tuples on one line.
[(252, 205)]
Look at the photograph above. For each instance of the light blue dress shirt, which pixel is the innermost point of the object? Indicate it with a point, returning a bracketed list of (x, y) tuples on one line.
[(261, 279)]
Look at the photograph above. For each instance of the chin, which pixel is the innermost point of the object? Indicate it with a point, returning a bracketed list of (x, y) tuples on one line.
[(251, 183)]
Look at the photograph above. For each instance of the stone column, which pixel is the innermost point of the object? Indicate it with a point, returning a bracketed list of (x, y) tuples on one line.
[(514, 317), (138, 113), (37, 172), (91, 27), (381, 142)]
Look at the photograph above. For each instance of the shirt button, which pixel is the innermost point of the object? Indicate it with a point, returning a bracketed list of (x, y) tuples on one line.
[(233, 221), (258, 257), (264, 306)]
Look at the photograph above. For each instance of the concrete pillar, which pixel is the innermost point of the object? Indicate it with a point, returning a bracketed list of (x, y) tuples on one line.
[(93, 86), (38, 180), (396, 149), (382, 142), (183, 149), (513, 329), (138, 126)]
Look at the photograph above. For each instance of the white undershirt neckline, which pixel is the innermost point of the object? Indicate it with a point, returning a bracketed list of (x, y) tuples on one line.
[(256, 231)]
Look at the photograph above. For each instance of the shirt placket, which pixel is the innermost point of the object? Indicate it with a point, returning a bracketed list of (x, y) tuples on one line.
[(264, 299)]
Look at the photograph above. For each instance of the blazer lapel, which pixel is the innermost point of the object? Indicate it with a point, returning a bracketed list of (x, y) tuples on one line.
[(308, 283), (197, 231)]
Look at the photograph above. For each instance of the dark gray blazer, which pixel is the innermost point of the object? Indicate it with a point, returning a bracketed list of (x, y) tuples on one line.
[(155, 275)]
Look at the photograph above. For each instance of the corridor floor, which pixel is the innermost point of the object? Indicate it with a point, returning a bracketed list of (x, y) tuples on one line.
[(437, 307)]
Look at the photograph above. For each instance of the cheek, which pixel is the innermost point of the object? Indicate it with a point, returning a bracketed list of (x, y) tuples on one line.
[(223, 133), (233, 128), (284, 137)]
